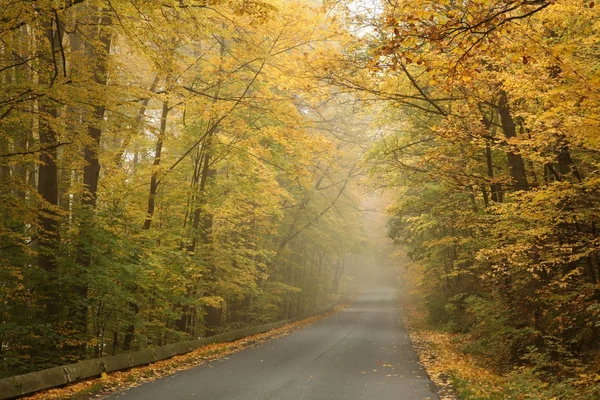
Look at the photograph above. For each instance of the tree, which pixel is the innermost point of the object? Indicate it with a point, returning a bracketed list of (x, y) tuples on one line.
[(488, 103), (153, 154)]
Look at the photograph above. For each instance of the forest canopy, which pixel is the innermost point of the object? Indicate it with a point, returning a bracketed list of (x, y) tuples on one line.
[(494, 160), (167, 170), (180, 168)]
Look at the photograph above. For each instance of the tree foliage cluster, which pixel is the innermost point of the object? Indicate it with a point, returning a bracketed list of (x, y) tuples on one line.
[(168, 169), (492, 148)]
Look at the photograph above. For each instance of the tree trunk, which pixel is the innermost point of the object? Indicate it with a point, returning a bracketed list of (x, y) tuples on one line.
[(515, 161), (48, 179), (495, 188), (154, 179), (118, 160), (96, 54), (47, 350), (205, 174), (566, 165), (154, 182)]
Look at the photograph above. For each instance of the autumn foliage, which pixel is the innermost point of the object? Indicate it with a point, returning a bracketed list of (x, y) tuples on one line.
[(175, 169), (492, 150), (164, 174)]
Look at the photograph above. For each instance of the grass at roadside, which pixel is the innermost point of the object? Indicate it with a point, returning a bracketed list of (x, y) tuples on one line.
[(121, 380)]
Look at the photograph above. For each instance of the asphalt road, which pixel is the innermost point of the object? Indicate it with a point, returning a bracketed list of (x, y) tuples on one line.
[(361, 353)]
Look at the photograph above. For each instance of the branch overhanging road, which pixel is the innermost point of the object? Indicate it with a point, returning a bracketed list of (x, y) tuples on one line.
[(361, 353)]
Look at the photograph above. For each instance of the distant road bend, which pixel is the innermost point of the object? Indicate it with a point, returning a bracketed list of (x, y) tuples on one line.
[(362, 353)]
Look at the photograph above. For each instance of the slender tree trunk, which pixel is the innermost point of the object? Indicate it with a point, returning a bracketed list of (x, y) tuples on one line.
[(566, 166), (154, 182), (339, 271), (5, 173), (205, 174), (515, 161), (5, 170), (157, 154), (201, 226), (97, 54), (47, 350), (23, 171), (484, 193), (130, 332), (118, 160), (495, 188), (48, 179)]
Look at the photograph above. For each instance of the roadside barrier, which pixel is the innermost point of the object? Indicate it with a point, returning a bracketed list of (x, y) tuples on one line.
[(20, 385)]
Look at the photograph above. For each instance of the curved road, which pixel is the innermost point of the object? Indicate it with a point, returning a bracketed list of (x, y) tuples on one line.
[(361, 353)]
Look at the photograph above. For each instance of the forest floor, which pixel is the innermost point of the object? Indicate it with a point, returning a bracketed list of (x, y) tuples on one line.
[(121, 380), (462, 376), (438, 355)]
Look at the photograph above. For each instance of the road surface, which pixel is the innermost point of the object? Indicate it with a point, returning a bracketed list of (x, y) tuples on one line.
[(361, 353)]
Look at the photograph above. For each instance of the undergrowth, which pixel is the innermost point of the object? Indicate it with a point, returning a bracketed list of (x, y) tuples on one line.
[(487, 361)]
